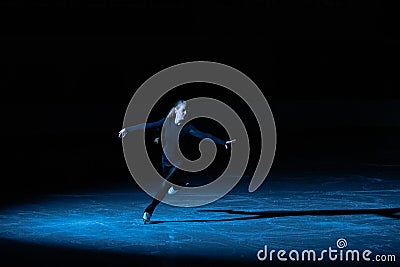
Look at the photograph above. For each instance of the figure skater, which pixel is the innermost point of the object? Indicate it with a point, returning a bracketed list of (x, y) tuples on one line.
[(171, 172)]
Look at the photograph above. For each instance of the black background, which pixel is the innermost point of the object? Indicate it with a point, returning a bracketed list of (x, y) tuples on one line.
[(328, 68)]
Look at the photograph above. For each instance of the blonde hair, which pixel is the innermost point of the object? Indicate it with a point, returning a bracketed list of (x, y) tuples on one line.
[(171, 113)]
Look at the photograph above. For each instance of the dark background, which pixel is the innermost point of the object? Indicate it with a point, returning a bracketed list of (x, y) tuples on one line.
[(68, 69)]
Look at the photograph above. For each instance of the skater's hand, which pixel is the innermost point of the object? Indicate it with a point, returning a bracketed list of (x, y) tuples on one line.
[(122, 133), (229, 142)]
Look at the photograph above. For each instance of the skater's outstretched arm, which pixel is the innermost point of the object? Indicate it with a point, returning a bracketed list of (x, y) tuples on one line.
[(142, 126), (199, 134)]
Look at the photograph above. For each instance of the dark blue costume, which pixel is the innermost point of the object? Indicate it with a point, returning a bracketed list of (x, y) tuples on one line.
[(171, 172)]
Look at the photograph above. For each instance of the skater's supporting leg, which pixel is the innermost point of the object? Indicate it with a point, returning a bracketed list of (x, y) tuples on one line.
[(172, 175)]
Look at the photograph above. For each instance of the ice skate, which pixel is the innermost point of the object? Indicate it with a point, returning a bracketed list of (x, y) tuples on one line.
[(146, 217), (172, 190)]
